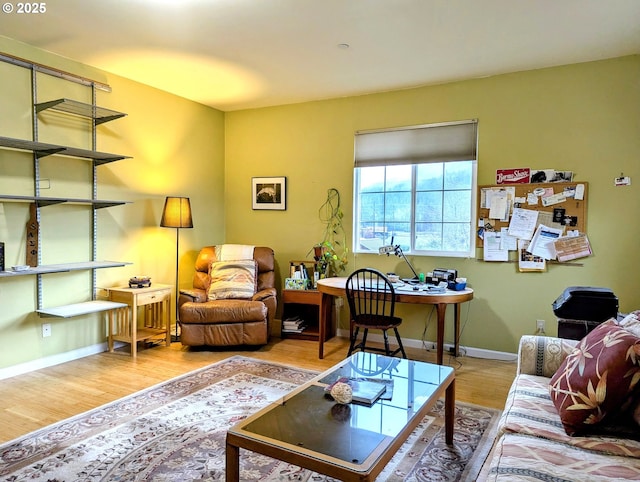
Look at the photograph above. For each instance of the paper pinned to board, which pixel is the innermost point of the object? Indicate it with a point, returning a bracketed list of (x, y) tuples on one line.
[(572, 247), (493, 248), (499, 207), (527, 261), (508, 242), (542, 242), (553, 199), (523, 223)]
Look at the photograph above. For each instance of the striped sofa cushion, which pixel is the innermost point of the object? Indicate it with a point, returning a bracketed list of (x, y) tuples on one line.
[(232, 279)]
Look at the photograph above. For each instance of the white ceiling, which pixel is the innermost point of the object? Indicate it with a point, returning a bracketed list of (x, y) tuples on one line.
[(237, 54)]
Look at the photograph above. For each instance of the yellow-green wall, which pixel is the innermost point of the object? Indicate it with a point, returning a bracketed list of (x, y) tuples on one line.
[(177, 149), (583, 118)]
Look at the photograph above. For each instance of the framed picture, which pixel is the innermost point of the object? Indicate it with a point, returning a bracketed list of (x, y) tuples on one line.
[(269, 193)]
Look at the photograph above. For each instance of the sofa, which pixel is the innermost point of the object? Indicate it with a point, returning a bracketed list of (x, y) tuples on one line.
[(534, 443), (233, 300)]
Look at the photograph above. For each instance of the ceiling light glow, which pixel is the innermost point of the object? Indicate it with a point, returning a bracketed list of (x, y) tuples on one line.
[(202, 79)]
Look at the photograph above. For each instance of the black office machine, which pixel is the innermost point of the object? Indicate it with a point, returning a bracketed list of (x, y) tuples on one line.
[(442, 275), (586, 303), (581, 308)]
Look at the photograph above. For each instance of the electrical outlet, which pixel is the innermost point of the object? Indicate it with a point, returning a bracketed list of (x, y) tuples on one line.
[(540, 325), (339, 302), (46, 330)]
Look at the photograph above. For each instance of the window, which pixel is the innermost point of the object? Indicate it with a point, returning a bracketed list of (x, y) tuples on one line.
[(416, 185)]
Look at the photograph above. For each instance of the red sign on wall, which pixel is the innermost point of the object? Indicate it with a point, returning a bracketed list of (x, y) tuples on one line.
[(513, 176)]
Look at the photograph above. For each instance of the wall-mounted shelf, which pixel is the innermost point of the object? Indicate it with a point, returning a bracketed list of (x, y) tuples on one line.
[(48, 201), (41, 149), (63, 268), (99, 114), (77, 309)]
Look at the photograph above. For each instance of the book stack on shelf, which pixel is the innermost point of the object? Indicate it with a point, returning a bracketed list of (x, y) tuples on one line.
[(302, 276), (294, 324)]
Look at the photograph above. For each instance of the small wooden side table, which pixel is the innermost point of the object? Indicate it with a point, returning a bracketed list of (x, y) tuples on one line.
[(309, 303), (157, 315)]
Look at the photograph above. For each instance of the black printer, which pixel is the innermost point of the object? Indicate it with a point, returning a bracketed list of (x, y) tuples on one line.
[(581, 308)]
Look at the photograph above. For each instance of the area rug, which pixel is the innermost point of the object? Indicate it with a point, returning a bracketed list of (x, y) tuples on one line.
[(175, 431)]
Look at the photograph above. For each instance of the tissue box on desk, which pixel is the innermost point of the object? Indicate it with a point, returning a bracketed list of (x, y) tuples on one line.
[(453, 285), (459, 284)]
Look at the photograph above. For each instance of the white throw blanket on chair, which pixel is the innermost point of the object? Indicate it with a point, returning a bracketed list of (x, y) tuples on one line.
[(233, 252)]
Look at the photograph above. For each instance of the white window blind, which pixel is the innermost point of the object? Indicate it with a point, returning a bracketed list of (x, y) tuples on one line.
[(417, 145)]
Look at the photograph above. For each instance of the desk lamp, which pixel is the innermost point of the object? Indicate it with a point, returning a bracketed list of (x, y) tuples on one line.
[(397, 250), (176, 214)]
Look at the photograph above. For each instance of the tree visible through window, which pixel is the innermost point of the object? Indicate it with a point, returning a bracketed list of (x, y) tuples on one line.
[(421, 197)]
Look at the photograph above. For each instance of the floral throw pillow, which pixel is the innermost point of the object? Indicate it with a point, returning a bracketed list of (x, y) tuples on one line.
[(597, 378), (232, 279)]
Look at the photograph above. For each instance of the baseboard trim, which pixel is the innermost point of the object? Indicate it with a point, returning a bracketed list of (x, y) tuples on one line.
[(53, 360), (430, 346)]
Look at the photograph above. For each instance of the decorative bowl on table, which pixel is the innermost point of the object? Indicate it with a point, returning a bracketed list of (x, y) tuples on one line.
[(140, 282)]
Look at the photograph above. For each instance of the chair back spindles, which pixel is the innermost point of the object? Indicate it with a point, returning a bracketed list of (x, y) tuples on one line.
[(371, 298)]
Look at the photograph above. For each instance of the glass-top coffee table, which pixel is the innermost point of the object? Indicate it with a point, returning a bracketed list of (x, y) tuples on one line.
[(347, 442)]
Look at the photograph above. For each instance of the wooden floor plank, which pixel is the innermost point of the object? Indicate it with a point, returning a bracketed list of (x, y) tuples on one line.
[(37, 399)]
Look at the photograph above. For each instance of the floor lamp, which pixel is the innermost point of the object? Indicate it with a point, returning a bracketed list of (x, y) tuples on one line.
[(177, 214)]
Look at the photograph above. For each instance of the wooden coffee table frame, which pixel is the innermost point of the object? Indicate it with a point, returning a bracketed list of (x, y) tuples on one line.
[(237, 438)]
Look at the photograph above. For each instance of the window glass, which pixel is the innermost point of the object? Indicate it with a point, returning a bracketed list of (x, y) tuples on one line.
[(425, 208), (430, 176)]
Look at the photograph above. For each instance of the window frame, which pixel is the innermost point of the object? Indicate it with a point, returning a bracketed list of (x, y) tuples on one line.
[(428, 157)]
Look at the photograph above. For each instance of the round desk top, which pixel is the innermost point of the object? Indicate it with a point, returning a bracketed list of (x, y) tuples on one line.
[(336, 287)]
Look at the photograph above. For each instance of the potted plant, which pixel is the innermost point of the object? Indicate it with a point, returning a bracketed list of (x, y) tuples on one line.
[(330, 254)]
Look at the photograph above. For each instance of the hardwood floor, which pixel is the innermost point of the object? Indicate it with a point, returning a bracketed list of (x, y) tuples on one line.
[(37, 399)]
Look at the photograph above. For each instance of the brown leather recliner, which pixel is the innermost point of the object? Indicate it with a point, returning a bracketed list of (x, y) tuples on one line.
[(228, 322)]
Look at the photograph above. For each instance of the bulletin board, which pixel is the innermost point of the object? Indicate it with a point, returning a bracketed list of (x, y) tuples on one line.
[(575, 210)]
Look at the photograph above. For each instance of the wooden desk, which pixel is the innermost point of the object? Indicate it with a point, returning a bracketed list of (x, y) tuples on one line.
[(157, 302), (336, 287)]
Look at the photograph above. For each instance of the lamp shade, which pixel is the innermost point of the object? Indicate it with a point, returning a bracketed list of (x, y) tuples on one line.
[(176, 213)]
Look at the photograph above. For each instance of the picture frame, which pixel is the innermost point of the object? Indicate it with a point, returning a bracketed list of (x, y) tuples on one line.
[(269, 193)]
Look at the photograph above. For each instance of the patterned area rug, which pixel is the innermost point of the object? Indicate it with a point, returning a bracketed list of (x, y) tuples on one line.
[(176, 431)]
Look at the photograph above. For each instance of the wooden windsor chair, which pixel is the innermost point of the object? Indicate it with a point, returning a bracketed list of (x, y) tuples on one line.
[(371, 299)]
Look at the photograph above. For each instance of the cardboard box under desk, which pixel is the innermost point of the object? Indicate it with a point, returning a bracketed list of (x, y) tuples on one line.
[(297, 283)]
